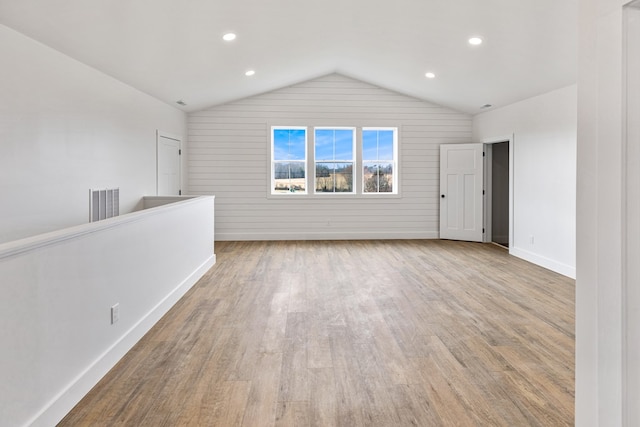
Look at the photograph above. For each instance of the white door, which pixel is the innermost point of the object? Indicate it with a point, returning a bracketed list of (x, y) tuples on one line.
[(461, 182), (168, 165)]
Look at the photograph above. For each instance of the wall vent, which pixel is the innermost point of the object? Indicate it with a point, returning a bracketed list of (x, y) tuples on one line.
[(104, 204)]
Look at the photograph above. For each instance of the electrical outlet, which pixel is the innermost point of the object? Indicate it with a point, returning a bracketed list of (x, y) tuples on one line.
[(115, 313)]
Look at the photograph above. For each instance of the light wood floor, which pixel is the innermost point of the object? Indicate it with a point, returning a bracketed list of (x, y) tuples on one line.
[(389, 333)]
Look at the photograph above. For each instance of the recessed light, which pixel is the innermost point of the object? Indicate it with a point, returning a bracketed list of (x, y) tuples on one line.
[(475, 41), (249, 73), (430, 75), (487, 106), (229, 37), (181, 102)]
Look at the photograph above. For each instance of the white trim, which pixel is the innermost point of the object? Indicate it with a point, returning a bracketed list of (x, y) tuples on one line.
[(168, 135), (625, 223), (61, 404), (270, 191), (558, 267), (630, 224), (511, 140), (88, 248), (178, 139), (17, 247), (149, 202), (324, 235), (395, 161), (342, 196), (358, 192), (314, 161)]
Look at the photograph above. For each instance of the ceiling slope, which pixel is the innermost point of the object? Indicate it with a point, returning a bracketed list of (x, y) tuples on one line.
[(173, 50)]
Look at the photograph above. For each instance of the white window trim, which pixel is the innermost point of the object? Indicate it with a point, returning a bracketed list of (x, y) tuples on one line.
[(310, 163), (272, 162), (395, 162), (353, 129)]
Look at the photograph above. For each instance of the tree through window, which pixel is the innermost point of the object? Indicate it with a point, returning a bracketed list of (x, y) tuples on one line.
[(289, 164), (334, 160), (379, 160)]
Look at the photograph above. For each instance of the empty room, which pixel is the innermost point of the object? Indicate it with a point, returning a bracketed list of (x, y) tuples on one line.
[(319, 213)]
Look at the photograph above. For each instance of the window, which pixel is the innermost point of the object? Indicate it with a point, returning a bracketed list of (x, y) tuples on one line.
[(379, 160), (289, 160), (334, 160), (334, 156)]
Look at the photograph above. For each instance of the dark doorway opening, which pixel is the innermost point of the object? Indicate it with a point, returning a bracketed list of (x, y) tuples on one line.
[(500, 193)]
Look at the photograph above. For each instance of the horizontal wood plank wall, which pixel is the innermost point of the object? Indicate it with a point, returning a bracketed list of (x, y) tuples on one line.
[(229, 155)]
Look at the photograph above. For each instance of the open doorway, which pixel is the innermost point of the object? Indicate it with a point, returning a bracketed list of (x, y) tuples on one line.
[(498, 178), (500, 193)]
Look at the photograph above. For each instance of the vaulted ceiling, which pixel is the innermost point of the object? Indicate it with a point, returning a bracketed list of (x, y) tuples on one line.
[(173, 49)]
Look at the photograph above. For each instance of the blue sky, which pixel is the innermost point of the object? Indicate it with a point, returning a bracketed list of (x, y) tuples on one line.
[(289, 144), (334, 144), (377, 145)]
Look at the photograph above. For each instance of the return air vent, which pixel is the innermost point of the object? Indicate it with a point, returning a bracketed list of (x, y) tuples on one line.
[(104, 204)]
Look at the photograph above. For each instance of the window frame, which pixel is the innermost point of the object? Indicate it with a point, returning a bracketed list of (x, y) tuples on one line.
[(358, 183), (394, 162), (353, 162), (273, 162)]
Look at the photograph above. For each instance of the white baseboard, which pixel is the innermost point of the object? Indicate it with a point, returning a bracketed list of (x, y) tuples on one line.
[(558, 267), (542, 261), (60, 406), (324, 235)]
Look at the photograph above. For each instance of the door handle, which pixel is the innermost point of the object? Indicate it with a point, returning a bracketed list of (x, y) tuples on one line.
[(442, 195)]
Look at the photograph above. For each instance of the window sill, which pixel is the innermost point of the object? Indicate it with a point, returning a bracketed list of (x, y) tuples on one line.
[(333, 196)]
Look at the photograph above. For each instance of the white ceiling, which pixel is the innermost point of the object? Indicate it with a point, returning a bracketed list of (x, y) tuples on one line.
[(173, 49)]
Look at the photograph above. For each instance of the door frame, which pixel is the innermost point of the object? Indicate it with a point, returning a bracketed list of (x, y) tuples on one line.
[(178, 138), (488, 187), (630, 372)]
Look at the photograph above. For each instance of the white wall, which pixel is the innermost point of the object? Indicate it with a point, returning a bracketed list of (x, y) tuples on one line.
[(544, 174), (230, 153), (605, 330), (66, 128), (631, 258), (57, 290)]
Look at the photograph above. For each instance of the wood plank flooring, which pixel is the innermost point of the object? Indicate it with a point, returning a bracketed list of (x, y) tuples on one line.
[(352, 333)]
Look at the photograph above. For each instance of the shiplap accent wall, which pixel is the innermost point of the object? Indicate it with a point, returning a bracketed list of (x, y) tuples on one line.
[(229, 157)]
